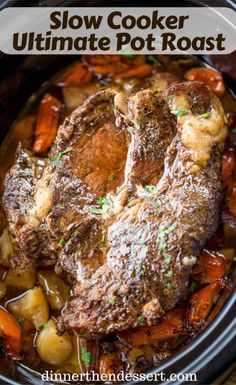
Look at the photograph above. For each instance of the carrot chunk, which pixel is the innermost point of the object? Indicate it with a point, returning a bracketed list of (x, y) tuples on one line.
[(208, 76), (210, 268), (228, 164), (10, 332), (138, 72), (109, 364), (202, 302), (166, 330), (47, 123), (77, 74)]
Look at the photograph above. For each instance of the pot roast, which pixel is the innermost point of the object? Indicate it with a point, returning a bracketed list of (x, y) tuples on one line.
[(124, 203)]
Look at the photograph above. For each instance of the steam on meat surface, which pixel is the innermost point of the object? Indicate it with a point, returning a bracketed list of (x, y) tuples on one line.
[(151, 235), (154, 243)]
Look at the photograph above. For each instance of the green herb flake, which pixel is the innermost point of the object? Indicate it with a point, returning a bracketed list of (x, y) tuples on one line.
[(62, 242), (28, 172), (102, 240), (141, 319), (112, 301), (138, 124), (169, 274), (104, 206), (170, 98), (86, 356), (233, 130), (193, 286), (179, 112), (152, 59), (20, 320), (139, 270), (142, 241), (169, 286), (206, 115), (156, 205), (109, 354), (167, 257), (57, 158), (43, 326), (130, 129), (127, 55), (46, 227), (151, 189)]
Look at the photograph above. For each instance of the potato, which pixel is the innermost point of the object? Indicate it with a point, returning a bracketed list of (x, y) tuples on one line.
[(6, 248), (21, 279), (31, 306), (56, 290), (51, 348)]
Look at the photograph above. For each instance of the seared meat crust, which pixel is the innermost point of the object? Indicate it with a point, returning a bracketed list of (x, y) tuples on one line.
[(154, 242)]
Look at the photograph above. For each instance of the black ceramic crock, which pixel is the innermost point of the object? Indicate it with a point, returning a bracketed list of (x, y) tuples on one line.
[(214, 350)]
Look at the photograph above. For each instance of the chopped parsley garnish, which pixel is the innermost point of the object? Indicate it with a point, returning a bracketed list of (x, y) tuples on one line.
[(169, 286), (28, 172), (109, 354), (163, 245), (57, 158), (43, 326), (141, 319), (206, 115), (142, 241), (102, 240), (167, 257), (152, 59), (46, 227), (62, 242), (118, 190), (127, 55), (112, 301), (151, 189), (86, 356), (193, 286), (20, 320), (169, 274), (179, 112), (104, 204), (139, 270), (138, 124), (130, 129), (170, 98), (156, 205), (233, 130)]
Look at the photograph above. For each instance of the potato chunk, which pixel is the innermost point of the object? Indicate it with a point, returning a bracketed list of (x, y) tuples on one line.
[(21, 279), (6, 248), (51, 348), (56, 290), (31, 306)]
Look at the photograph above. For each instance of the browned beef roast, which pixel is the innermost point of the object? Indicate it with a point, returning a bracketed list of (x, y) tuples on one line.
[(49, 203), (148, 235), (156, 238)]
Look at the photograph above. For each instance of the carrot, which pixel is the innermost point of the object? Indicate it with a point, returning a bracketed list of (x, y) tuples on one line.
[(228, 164), (108, 69), (166, 330), (139, 72), (47, 123), (208, 76), (101, 59), (77, 74), (202, 302), (10, 332), (210, 268), (231, 198), (109, 364), (231, 120)]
